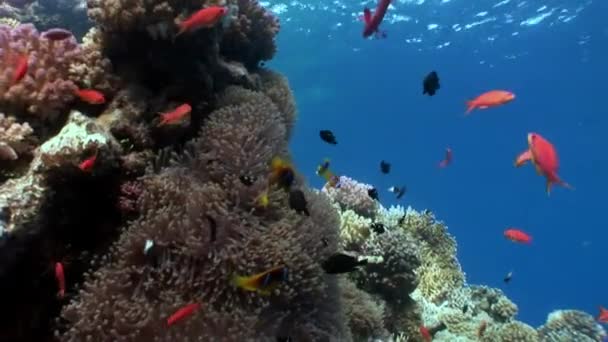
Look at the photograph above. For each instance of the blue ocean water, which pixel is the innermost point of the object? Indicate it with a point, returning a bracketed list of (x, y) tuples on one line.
[(552, 54)]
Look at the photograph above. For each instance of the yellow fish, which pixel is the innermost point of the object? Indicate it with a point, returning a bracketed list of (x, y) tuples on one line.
[(263, 282)]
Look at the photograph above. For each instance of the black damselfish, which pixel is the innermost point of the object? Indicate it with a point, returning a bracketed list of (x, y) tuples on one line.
[(297, 201), (385, 167), (328, 136), (341, 263), (430, 84)]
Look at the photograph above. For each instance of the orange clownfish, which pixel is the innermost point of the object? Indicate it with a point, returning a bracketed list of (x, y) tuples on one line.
[(182, 313), (517, 235), (90, 96), (203, 18), (263, 282), (281, 173), (324, 171), (176, 115), (489, 99), (544, 157)]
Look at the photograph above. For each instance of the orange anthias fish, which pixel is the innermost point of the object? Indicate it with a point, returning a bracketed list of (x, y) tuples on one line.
[(204, 18), (517, 235), (544, 157), (426, 334), (88, 164), (20, 68), (447, 159), (176, 115), (372, 21), (182, 313), (91, 96), (263, 282), (602, 317), (60, 277), (489, 99)]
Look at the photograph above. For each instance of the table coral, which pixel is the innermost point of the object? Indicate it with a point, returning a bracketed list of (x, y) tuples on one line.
[(46, 89)]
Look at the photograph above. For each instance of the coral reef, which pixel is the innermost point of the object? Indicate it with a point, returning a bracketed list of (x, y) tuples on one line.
[(15, 138), (45, 90), (570, 325), (353, 195)]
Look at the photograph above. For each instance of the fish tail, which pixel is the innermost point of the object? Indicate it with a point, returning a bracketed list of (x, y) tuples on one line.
[(548, 187), (470, 106)]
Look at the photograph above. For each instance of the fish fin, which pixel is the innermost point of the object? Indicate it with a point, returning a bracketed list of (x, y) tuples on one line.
[(242, 282), (548, 187), (470, 106), (523, 158), (483, 107)]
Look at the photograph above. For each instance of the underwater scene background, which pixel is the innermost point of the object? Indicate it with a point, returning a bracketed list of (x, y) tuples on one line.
[(235, 170)]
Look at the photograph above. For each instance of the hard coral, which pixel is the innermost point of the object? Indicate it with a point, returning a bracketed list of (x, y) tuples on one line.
[(94, 70), (250, 36), (353, 195), (510, 332), (46, 89), (15, 138), (570, 325)]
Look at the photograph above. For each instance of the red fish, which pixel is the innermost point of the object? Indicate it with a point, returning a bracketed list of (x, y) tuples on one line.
[(603, 315), (175, 115), (20, 68), (544, 157), (91, 96), (60, 277), (88, 164), (56, 34), (204, 18), (372, 22), (448, 158), (489, 99), (182, 313), (517, 235), (426, 335)]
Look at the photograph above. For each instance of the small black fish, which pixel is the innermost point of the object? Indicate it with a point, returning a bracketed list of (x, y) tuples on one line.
[(508, 277), (401, 219), (297, 201), (465, 308), (341, 263), (399, 191), (378, 227), (385, 167), (430, 84), (247, 180), (328, 136), (373, 193), (286, 178)]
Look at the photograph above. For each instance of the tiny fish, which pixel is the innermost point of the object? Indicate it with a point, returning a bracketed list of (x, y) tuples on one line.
[(602, 317), (297, 201), (263, 282), (176, 115), (430, 85), (60, 277), (324, 241), (341, 263), (324, 171), (88, 164), (465, 308), (401, 219), (203, 18), (328, 136), (90, 96), (378, 227), (489, 99), (507, 278), (262, 200), (385, 167), (373, 193), (247, 180), (426, 335), (148, 246), (398, 191), (447, 160), (56, 34), (20, 68), (517, 235), (282, 173), (182, 313)]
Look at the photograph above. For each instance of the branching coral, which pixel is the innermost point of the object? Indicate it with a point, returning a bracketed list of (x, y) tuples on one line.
[(250, 36), (570, 325), (354, 229), (510, 332), (353, 195), (15, 138), (94, 70), (45, 89)]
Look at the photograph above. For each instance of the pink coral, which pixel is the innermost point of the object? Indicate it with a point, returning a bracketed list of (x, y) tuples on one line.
[(353, 195), (45, 90)]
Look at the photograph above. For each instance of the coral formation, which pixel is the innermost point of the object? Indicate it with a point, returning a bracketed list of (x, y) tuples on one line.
[(45, 89), (15, 138), (570, 325), (354, 196)]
